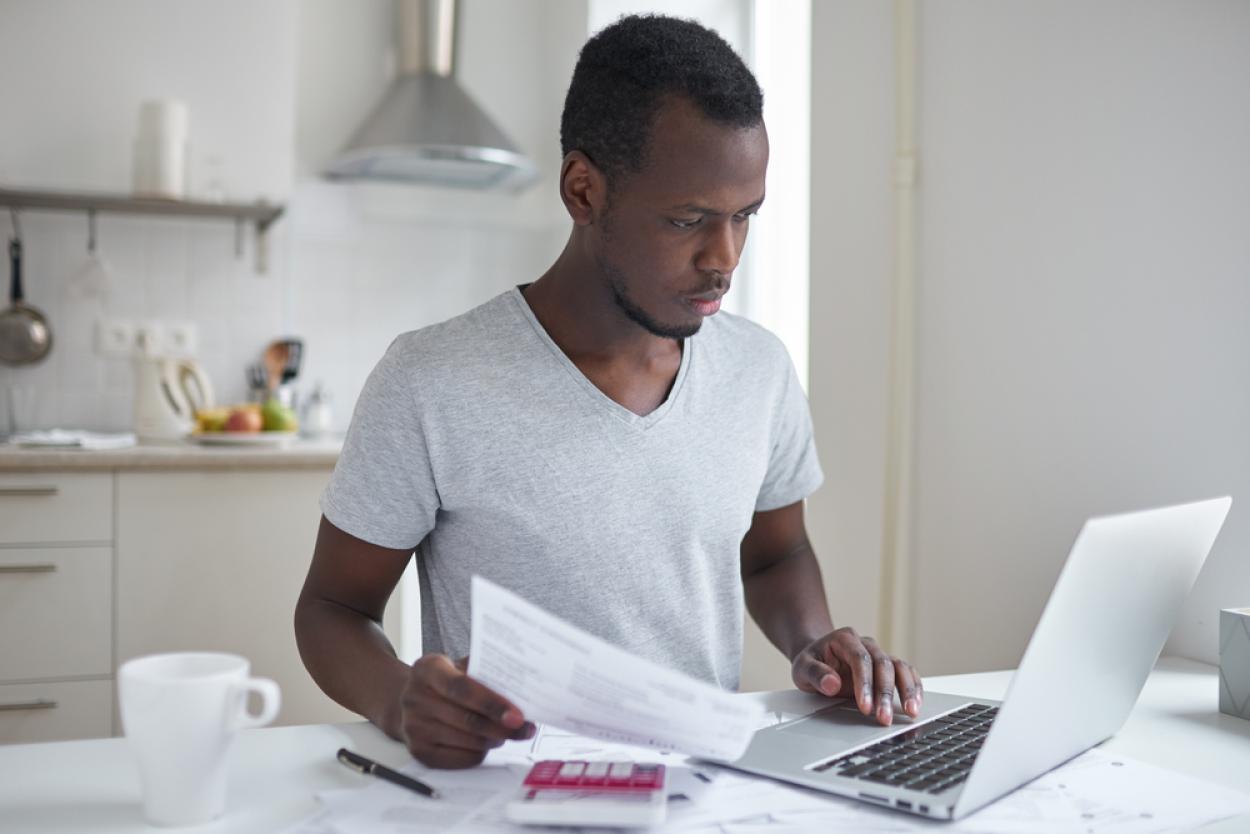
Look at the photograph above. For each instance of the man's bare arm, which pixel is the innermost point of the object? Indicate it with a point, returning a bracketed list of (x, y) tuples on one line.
[(785, 596), (445, 718), (338, 625), (781, 580)]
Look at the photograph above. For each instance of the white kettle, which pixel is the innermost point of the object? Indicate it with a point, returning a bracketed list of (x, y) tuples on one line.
[(168, 392)]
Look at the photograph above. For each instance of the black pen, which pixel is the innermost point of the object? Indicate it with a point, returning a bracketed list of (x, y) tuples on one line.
[(360, 764)]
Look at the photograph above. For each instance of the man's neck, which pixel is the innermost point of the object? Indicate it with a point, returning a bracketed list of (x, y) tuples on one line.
[(574, 303)]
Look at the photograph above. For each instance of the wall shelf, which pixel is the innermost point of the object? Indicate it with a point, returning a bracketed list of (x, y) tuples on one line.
[(260, 215)]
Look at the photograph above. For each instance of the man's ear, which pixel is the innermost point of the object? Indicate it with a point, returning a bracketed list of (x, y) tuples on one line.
[(583, 188)]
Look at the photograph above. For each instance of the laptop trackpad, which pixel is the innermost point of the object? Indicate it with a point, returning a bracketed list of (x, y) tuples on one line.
[(843, 722)]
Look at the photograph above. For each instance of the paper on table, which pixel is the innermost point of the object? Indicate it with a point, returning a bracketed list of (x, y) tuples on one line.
[(559, 675), (553, 743), (321, 822), (1097, 793), (1107, 793), (383, 808)]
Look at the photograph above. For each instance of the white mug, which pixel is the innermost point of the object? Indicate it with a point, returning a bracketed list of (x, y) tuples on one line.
[(180, 713)]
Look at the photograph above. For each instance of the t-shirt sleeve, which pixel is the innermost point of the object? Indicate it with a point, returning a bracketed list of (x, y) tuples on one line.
[(383, 489), (793, 468)]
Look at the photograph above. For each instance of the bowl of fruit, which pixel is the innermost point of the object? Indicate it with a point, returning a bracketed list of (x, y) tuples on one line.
[(246, 424)]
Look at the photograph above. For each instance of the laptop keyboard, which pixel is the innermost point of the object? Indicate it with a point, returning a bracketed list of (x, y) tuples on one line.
[(929, 758)]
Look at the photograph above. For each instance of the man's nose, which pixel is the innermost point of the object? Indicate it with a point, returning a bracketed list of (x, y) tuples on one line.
[(721, 248)]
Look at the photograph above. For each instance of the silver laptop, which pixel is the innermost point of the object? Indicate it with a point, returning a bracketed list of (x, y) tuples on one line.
[(1097, 640)]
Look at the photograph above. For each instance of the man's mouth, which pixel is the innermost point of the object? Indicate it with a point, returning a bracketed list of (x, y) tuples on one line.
[(706, 303)]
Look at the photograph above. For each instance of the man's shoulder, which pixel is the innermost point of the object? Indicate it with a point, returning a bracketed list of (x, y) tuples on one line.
[(738, 337), (477, 335)]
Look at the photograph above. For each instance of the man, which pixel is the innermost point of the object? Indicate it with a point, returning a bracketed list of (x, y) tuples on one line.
[(599, 441)]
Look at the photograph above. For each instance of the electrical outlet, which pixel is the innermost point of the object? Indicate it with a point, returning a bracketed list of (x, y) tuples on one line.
[(114, 337), (180, 338), (149, 339)]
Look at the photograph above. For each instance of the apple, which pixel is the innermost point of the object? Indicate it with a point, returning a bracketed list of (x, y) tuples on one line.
[(244, 420), (277, 417)]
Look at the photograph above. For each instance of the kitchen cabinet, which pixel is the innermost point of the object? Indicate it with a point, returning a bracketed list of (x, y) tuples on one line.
[(215, 562), (105, 556), (56, 606)]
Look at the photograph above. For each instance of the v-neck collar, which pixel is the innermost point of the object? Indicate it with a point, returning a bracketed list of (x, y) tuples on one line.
[(639, 421)]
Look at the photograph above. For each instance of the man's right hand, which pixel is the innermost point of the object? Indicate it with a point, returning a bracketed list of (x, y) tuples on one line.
[(450, 720)]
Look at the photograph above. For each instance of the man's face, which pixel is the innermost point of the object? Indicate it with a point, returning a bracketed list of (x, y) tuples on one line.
[(672, 235)]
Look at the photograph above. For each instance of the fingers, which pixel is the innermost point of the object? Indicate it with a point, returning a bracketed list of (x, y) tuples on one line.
[(472, 723), (875, 675), (812, 675), (450, 758), (849, 648), (910, 688), (435, 732), (882, 682), (451, 720), (449, 681)]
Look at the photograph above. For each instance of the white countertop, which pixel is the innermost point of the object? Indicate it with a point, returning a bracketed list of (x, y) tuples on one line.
[(94, 786), (297, 454)]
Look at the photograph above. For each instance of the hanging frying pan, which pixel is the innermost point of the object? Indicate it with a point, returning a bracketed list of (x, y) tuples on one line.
[(24, 333)]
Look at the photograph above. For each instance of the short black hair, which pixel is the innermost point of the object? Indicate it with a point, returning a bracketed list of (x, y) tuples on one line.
[(625, 71)]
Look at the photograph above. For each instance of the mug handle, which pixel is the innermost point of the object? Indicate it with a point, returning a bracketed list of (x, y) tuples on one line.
[(271, 701)]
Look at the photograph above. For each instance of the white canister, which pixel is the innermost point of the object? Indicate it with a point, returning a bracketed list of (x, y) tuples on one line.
[(161, 149)]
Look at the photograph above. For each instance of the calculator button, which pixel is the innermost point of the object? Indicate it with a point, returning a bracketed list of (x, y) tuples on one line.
[(543, 774), (570, 773), (646, 776), (595, 775)]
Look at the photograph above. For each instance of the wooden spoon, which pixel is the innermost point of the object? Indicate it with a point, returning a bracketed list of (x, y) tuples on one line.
[(276, 356)]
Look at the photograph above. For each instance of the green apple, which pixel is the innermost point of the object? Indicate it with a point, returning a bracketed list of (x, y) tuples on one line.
[(277, 417)]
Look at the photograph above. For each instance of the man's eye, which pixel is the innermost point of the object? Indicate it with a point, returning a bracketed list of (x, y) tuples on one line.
[(686, 224)]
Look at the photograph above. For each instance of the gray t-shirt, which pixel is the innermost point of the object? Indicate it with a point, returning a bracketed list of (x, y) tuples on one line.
[(480, 444)]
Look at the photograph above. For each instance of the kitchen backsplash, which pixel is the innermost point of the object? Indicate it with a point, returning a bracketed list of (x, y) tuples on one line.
[(344, 284)]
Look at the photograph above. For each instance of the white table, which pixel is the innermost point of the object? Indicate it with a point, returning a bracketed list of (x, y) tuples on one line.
[(94, 785)]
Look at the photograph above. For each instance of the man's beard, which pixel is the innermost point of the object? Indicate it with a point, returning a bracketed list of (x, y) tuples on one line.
[(616, 280)]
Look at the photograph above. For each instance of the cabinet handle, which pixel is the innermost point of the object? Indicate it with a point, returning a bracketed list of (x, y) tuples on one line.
[(38, 703), (40, 568), (28, 492)]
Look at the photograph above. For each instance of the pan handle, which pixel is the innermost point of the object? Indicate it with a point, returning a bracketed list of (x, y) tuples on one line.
[(15, 264)]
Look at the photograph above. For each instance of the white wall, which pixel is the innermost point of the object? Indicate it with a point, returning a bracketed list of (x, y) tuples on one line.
[(273, 89), (76, 72), (1084, 346), (851, 262), (383, 259), (1084, 302)]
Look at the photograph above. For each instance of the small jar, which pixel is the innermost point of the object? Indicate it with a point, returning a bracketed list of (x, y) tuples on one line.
[(318, 417)]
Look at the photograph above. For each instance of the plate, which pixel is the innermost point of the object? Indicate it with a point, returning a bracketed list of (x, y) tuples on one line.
[(242, 438)]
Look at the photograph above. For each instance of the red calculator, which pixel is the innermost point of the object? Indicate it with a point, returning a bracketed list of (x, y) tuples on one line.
[(612, 794)]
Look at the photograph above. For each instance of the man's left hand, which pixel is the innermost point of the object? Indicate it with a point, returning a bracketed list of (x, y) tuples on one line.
[(843, 664)]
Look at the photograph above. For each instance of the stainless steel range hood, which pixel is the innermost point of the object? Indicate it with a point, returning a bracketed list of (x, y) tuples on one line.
[(427, 129)]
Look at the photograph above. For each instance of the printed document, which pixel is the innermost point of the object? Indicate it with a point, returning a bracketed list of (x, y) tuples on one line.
[(560, 675)]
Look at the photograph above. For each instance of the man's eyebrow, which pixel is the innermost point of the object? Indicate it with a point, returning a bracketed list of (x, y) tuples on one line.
[(698, 209)]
